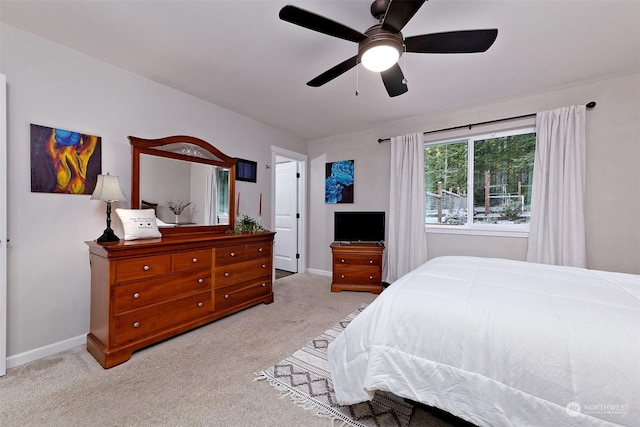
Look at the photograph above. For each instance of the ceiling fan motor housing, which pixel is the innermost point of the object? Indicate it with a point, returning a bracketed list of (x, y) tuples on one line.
[(379, 8)]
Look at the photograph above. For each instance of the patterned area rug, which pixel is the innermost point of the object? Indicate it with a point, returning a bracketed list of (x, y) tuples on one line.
[(305, 378)]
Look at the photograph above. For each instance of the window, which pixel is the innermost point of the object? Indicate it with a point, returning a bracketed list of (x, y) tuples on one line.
[(222, 186), (488, 175)]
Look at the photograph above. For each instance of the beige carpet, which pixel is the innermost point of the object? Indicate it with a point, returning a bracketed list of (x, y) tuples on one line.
[(201, 378)]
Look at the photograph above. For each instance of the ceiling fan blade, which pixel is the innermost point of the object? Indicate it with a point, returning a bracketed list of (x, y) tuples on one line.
[(334, 72), (393, 80), (399, 13), (310, 20), (466, 41)]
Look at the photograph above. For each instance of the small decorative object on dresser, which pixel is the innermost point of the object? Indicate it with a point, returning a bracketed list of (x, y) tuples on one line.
[(177, 208), (357, 267)]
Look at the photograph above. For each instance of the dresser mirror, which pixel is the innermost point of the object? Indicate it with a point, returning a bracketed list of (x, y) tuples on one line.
[(184, 172)]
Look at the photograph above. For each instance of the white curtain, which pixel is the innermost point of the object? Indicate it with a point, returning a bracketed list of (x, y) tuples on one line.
[(557, 229), (210, 197), (406, 244)]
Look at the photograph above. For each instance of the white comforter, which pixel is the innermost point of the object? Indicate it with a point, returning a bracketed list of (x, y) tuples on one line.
[(500, 342)]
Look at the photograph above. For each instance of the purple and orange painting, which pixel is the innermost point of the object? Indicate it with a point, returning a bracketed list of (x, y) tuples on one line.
[(64, 161)]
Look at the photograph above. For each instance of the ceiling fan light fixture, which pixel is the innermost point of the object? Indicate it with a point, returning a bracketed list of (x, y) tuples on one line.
[(381, 49), (380, 57)]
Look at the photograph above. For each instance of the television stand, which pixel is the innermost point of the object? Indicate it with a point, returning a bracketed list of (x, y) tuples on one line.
[(357, 266)]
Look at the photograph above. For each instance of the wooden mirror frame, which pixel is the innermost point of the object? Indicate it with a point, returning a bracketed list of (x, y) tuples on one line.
[(166, 147)]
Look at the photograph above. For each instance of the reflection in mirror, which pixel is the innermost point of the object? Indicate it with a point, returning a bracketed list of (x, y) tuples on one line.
[(204, 188), (187, 172)]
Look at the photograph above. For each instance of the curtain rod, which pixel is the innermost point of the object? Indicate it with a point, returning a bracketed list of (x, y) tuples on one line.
[(589, 106)]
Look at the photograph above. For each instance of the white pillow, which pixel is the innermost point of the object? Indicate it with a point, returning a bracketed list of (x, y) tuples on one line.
[(138, 223)]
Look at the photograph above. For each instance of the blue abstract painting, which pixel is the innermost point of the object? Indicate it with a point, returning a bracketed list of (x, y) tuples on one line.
[(338, 185)]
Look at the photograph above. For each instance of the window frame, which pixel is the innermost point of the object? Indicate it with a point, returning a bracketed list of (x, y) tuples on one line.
[(470, 228)]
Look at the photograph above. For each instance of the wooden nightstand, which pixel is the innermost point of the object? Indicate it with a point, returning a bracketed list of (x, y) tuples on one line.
[(357, 267)]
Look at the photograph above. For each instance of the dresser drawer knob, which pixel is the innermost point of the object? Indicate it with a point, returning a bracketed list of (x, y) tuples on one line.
[(370, 261), (264, 265), (226, 296), (342, 261), (146, 268), (226, 274), (136, 324), (136, 295), (200, 304), (264, 285), (259, 249), (370, 277), (232, 254), (201, 280), (194, 260), (342, 276)]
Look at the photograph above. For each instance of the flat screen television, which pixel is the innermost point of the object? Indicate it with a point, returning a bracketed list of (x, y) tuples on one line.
[(358, 226)]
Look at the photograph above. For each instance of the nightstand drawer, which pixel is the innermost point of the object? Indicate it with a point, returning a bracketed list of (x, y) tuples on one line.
[(156, 318), (373, 260), (142, 268), (357, 276), (132, 296)]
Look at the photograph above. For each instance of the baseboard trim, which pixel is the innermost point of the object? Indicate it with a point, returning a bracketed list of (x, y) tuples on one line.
[(47, 350), (319, 272)]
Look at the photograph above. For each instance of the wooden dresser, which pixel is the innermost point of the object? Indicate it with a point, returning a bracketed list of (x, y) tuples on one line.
[(357, 267), (145, 291)]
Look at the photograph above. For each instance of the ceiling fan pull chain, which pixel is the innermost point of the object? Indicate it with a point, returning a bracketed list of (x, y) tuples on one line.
[(357, 79), (404, 60)]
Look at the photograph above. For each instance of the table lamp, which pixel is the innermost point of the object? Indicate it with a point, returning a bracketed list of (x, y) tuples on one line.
[(108, 189)]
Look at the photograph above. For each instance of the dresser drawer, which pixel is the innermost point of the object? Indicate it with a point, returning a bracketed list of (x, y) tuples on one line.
[(231, 296), (158, 317), (132, 296), (357, 260), (231, 254), (242, 271), (357, 276), (183, 261), (140, 268), (259, 250)]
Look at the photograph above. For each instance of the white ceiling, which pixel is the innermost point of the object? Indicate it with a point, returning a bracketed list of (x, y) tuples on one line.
[(239, 55)]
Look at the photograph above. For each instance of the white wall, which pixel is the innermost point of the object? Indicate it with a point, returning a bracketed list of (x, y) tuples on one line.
[(613, 175), (48, 263)]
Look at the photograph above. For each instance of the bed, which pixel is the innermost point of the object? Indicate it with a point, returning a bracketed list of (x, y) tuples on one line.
[(500, 343)]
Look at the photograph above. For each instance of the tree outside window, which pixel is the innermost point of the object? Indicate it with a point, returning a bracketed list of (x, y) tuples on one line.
[(488, 175)]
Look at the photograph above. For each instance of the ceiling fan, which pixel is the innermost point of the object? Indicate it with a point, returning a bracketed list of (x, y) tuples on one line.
[(380, 46)]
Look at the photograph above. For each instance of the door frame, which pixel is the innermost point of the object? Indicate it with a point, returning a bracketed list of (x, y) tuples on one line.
[(301, 159), (3, 224)]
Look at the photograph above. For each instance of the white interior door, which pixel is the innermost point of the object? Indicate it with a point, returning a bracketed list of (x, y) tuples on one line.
[(286, 221), (3, 224)]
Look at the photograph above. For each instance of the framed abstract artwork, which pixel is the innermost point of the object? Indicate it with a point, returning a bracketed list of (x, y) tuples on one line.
[(339, 182), (64, 161)]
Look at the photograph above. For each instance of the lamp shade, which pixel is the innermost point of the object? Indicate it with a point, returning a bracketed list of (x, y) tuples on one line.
[(108, 189)]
